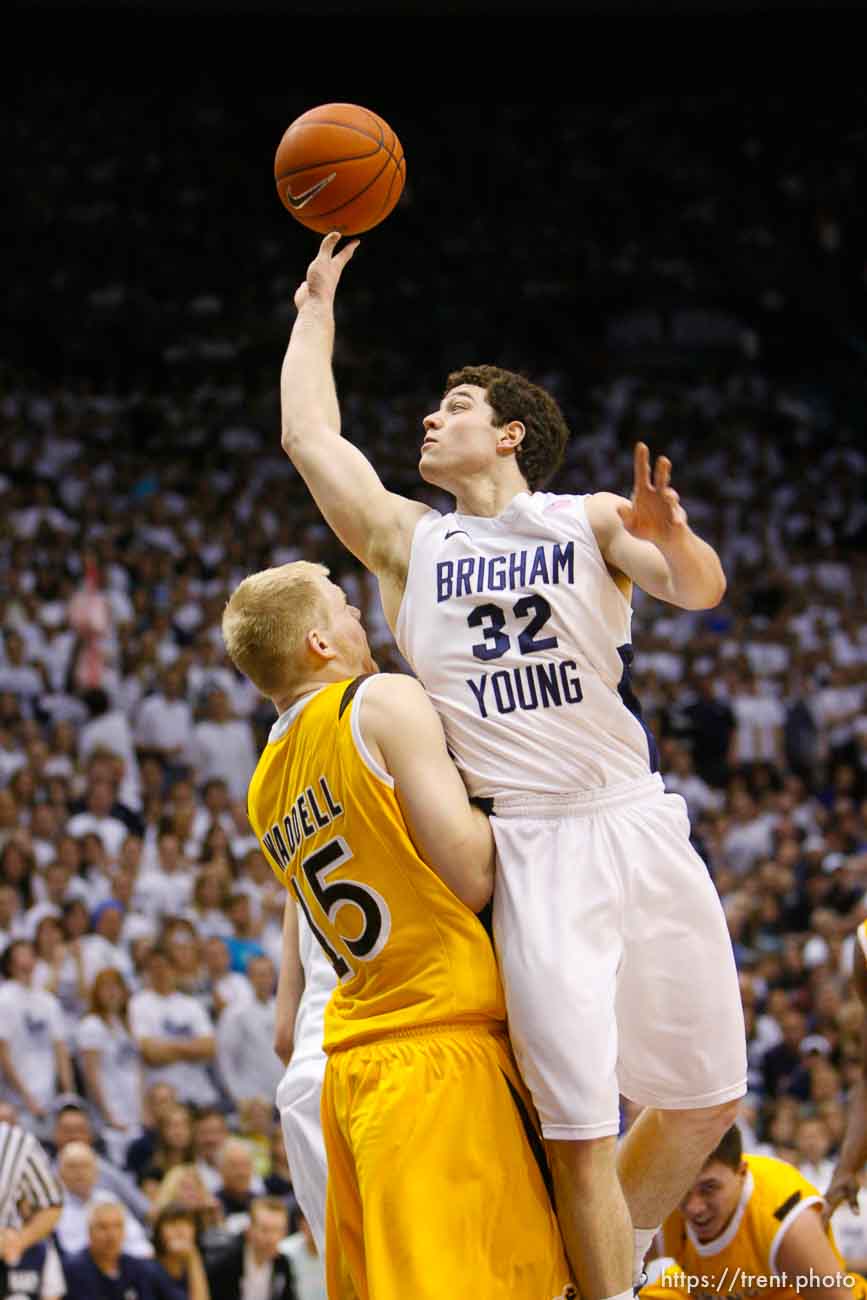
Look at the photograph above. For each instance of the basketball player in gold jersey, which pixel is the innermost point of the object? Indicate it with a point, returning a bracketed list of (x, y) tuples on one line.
[(434, 1187), (844, 1183), (749, 1225)]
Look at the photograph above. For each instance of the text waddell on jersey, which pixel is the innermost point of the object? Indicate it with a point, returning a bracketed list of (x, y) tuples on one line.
[(542, 684), (307, 814)]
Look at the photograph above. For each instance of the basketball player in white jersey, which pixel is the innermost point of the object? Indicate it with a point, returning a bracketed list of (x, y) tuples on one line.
[(514, 612), (305, 984)]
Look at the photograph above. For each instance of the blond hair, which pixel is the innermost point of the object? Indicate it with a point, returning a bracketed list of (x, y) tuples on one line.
[(266, 620)]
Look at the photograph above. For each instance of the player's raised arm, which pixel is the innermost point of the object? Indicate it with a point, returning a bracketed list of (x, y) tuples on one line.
[(649, 539), (401, 727), (374, 524)]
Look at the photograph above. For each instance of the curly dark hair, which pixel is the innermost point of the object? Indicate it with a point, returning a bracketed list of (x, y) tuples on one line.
[(514, 397)]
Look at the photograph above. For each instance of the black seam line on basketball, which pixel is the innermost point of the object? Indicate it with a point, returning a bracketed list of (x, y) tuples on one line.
[(395, 172), (381, 142), (347, 126), (346, 202), (329, 162)]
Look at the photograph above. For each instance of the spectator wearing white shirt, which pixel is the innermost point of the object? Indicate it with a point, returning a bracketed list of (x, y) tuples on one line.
[(59, 970), (229, 987), (838, 707), (164, 725), (209, 897), (174, 1033), (111, 1062), (34, 1055), (308, 1267), (17, 675), (12, 915), (210, 1131), (759, 726), (44, 831), (748, 835), (225, 746), (166, 888), (77, 1169), (98, 817), (681, 778), (814, 1143), (102, 948), (248, 1064), (108, 730)]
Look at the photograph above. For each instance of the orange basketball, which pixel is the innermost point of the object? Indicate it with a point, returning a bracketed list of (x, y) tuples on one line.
[(339, 167)]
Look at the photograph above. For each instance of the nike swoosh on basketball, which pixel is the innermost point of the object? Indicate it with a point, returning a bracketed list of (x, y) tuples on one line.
[(303, 199), (454, 531)]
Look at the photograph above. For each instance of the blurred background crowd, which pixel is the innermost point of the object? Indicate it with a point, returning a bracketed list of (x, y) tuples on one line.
[(689, 271)]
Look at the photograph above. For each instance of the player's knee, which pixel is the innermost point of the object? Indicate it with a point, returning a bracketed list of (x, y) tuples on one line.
[(710, 1122), (583, 1164)]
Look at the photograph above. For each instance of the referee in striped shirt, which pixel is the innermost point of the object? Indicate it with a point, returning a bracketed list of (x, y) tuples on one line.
[(25, 1175)]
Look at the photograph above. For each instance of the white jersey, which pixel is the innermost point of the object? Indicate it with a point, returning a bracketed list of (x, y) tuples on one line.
[(522, 639), (319, 982)]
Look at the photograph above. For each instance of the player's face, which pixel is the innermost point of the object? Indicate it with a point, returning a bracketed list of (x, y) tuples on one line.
[(713, 1199), (347, 631), (460, 439)]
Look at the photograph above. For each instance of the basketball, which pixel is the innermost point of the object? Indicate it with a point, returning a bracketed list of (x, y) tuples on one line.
[(339, 167)]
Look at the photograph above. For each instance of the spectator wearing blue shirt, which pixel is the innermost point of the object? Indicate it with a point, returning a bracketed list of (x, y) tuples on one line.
[(242, 943), (102, 1271)]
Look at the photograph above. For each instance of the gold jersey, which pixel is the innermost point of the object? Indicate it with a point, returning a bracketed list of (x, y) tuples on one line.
[(408, 954), (861, 936), (745, 1255)]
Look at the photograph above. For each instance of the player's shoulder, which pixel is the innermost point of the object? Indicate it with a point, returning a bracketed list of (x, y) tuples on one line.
[(390, 694), (779, 1185), (602, 509)]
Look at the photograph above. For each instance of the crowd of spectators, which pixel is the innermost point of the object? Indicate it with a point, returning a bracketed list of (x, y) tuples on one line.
[(139, 920)]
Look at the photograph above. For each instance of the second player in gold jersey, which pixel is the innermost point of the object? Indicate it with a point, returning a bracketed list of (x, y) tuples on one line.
[(436, 1181), (751, 1225)]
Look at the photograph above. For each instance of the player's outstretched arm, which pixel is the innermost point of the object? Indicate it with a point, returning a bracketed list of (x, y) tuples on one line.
[(844, 1185), (649, 539), (404, 733), (374, 524)]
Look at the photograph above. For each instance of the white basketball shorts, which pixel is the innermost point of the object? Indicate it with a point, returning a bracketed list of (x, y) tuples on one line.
[(298, 1100), (615, 956)]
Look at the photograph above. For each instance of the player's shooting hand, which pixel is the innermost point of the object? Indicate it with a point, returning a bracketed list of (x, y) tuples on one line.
[(325, 271), (655, 513), (843, 1188)]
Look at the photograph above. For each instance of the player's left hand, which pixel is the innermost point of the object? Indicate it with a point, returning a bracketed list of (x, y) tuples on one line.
[(655, 513)]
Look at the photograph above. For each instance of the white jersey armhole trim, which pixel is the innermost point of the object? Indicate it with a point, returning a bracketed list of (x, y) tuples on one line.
[(360, 744), (794, 1213), (400, 620)]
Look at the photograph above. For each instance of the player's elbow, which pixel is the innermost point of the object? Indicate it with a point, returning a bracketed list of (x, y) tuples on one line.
[(477, 889), (716, 589), (283, 1045)]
